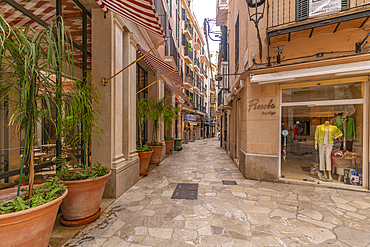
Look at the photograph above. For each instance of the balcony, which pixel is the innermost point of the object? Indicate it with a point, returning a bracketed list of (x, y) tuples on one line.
[(188, 82), (196, 65), (222, 12), (172, 56), (188, 55), (300, 16), (188, 30), (197, 45), (222, 103), (212, 99)]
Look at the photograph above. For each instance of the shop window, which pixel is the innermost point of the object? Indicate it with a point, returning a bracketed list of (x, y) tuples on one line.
[(323, 93), (325, 133)]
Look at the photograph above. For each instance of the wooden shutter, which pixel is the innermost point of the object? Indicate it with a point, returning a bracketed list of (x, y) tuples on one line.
[(183, 15), (302, 9), (345, 4)]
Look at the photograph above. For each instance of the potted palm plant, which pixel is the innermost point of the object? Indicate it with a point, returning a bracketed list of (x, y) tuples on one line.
[(169, 114), (145, 153), (29, 60), (156, 110), (84, 184)]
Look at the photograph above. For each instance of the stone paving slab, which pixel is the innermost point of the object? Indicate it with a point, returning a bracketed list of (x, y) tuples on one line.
[(251, 213)]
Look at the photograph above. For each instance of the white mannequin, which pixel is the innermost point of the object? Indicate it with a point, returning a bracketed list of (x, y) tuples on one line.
[(327, 173)]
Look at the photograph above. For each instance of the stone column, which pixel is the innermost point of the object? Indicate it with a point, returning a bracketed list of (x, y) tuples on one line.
[(129, 97), (111, 53)]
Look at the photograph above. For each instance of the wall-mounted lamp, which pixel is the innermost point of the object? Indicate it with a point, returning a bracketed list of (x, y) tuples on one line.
[(255, 15)]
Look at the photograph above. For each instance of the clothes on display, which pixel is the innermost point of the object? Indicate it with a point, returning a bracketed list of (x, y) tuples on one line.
[(351, 129), (325, 150), (295, 131), (333, 131)]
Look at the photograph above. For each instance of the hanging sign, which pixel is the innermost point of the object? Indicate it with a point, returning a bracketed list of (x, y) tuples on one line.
[(190, 117), (318, 7)]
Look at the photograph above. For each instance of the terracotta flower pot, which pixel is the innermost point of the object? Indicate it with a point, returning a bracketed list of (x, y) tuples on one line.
[(169, 146), (31, 227), (84, 198), (156, 156), (144, 161)]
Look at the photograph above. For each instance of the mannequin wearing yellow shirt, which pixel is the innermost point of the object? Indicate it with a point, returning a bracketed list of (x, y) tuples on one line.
[(324, 141)]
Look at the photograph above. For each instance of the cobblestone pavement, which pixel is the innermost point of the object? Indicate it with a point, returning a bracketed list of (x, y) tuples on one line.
[(251, 213)]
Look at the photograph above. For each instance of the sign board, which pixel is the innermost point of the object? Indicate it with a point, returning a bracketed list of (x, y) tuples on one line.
[(285, 132), (318, 7), (190, 117)]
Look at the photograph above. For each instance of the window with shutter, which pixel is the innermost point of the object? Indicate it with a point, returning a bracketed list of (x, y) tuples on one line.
[(345, 4), (183, 15), (301, 9)]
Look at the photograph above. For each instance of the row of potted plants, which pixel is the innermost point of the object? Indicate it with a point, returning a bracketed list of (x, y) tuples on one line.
[(158, 112), (30, 61)]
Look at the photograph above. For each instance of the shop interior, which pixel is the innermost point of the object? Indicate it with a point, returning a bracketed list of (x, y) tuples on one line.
[(315, 136)]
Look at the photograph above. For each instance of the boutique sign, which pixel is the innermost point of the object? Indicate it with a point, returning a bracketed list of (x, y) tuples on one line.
[(265, 109)]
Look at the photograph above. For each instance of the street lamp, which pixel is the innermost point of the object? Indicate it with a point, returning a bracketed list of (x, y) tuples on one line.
[(256, 17)]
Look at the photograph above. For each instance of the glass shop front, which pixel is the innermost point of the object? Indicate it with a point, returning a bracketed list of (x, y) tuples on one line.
[(323, 132)]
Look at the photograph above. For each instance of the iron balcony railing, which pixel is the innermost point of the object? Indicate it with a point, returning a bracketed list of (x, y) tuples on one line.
[(188, 51), (174, 52), (188, 27), (189, 79)]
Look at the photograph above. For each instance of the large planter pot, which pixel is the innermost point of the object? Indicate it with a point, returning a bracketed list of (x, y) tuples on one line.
[(144, 162), (156, 156), (31, 227), (82, 205), (169, 146)]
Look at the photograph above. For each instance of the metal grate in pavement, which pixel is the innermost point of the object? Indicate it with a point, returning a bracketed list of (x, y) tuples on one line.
[(185, 191), (227, 182)]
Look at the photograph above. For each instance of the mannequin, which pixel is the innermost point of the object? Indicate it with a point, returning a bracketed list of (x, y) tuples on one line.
[(324, 136)]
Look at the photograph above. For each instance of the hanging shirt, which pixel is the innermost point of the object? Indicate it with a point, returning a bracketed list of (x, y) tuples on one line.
[(333, 132), (351, 129)]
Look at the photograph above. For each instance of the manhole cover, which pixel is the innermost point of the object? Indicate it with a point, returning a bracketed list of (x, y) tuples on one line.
[(185, 194), (185, 191), (225, 182)]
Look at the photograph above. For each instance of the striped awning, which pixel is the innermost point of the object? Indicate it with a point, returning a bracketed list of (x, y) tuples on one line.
[(175, 90), (140, 12), (161, 67)]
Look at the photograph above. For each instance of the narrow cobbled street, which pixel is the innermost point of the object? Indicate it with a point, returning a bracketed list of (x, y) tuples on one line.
[(251, 213)]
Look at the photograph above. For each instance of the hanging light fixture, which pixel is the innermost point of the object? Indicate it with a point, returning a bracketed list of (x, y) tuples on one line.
[(256, 14)]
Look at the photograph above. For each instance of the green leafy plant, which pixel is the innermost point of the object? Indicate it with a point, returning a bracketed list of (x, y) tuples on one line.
[(155, 144), (30, 61), (169, 139), (48, 191), (169, 114), (67, 174), (156, 109), (142, 116), (83, 115), (144, 148)]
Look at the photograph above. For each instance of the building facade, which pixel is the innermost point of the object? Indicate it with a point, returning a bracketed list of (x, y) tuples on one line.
[(106, 42), (293, 68)]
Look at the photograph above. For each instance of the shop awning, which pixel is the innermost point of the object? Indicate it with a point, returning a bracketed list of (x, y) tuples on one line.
[(161, 67), (176, 91), (140, 12), (348, 69)]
